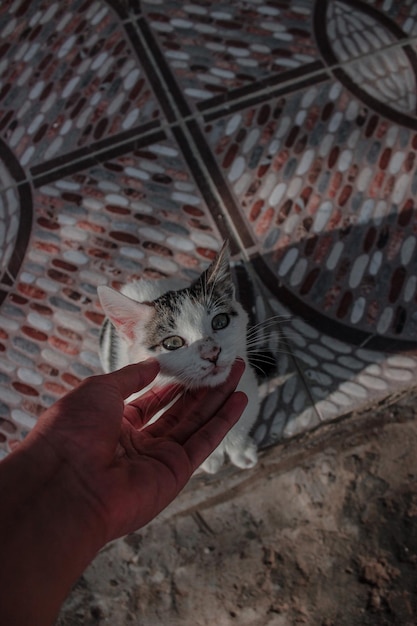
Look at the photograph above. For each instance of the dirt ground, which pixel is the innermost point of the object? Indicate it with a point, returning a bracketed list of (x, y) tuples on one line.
[(322, 532)]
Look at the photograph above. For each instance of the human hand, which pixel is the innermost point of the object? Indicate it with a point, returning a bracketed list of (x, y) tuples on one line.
[(126, 473)]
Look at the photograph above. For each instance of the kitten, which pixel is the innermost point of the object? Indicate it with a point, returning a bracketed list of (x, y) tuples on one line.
[(195, 331)]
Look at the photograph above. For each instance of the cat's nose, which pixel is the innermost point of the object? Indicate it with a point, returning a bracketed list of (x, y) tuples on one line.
[(211, 354)]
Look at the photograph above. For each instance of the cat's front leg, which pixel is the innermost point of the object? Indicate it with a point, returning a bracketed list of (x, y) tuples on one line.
[(215, 461), (243, 455)]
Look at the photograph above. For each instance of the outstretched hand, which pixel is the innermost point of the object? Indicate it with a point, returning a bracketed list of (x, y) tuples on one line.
[(128, 473), (92, 470)]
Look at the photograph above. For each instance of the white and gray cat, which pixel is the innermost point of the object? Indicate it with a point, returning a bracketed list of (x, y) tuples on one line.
[(195, 331)]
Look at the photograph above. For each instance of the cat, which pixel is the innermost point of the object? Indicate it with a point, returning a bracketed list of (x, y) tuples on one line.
[(196, 331)]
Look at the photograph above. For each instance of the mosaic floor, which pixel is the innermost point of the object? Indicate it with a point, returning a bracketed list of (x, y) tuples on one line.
[(136, 135)]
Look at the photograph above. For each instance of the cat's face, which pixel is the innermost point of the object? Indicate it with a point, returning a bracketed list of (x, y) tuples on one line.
[(194, 342), (196, 333)]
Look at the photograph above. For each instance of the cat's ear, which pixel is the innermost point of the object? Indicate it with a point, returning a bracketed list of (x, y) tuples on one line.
[(218, 276), (126, 314)]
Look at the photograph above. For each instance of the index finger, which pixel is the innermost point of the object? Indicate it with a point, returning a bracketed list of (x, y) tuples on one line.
[(134, 377), (141, 410)]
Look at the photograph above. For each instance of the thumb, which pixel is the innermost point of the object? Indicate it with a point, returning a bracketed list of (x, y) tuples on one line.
[(133, 377)]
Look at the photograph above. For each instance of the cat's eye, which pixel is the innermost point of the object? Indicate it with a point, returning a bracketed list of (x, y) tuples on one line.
[(173, 343), (220, 321)]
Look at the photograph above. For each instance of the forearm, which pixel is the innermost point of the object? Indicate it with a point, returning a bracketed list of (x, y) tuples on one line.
[(48, 537)]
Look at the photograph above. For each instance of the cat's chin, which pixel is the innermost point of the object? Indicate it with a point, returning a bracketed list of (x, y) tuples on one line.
[(216, 376)]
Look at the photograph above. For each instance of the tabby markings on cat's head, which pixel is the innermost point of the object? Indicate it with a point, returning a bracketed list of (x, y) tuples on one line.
[(196, 332)]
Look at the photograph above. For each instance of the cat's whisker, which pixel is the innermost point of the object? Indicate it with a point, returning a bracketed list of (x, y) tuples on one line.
[(278, 348), (261, 356), (271, 322), (266, 332), (257, 367), (290, 337), (260, 352), (260, 332), (270, 361), (261, 337), (281, 317), (253, 349), (266, 328), (259, 346), (275, 352)]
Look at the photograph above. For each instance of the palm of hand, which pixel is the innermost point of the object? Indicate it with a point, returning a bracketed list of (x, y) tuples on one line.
[(127, 474)]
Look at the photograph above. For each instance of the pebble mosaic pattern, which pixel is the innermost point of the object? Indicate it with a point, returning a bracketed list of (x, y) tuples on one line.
[(403, 14), (133, 139), (67, 79), (341, 237), (215, 48)]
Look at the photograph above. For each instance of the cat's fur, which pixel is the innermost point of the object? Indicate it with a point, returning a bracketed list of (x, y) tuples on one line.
[(145, 313)]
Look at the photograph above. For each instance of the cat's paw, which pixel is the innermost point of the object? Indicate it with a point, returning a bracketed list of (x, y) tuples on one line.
[(246, 457), (213, 463)]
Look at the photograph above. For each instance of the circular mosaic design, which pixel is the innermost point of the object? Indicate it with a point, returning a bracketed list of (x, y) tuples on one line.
[(9, 217), (360, 45), (15, 221)]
